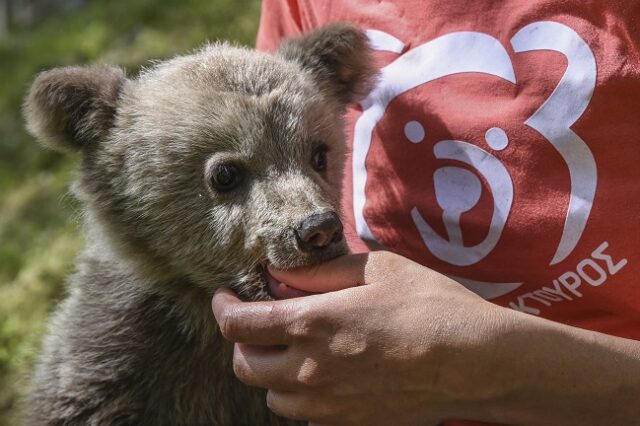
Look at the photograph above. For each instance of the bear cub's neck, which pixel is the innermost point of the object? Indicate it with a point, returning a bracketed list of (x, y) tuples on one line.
[(147, 285)]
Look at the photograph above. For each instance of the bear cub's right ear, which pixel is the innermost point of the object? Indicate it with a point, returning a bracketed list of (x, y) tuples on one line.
[(70, 108)]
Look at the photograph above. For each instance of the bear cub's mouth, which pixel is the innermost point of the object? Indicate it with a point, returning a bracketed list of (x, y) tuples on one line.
[(277, 289)]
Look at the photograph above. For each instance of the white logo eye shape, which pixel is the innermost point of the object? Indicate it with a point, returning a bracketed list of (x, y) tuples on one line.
[(496, 138), (414, 131), (450, 182)]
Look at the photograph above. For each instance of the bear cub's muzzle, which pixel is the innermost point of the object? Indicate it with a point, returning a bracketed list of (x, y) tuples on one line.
[(317, 238), (318, 231)]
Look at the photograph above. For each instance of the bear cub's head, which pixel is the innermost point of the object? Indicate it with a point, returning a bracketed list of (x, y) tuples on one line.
[(208, 167)]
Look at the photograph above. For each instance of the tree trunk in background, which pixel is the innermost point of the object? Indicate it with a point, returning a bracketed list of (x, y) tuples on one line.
[(5, 17), (27, 13)]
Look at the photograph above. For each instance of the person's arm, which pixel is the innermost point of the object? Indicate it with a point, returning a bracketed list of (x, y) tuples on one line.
[(549, 373), (413, 347)]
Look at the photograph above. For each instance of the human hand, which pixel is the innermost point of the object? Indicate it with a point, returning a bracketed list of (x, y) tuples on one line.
[(392, 346)]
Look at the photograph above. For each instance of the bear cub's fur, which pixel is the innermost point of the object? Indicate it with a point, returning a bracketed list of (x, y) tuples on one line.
[(194, 175)]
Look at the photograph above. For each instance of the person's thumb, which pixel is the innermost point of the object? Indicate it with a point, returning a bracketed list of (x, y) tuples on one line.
[(337, 274)]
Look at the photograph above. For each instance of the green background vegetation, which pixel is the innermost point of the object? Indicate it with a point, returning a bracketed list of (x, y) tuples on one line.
[(39, 219)]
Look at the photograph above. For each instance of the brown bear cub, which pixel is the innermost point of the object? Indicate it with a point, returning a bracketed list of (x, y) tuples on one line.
[(194, 175)]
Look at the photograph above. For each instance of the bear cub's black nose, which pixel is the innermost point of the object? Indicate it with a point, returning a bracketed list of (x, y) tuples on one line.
[(318, 231)]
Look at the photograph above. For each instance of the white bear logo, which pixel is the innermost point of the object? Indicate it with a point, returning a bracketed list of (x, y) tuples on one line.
[(457, 189)]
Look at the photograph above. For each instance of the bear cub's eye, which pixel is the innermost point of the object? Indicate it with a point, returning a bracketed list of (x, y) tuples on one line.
[(319, 159), (226, 177)]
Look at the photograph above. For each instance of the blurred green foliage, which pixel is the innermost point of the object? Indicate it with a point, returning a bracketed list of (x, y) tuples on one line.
[(39, 220)]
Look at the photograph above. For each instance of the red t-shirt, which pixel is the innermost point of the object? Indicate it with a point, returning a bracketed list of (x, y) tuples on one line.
[(501, 147)]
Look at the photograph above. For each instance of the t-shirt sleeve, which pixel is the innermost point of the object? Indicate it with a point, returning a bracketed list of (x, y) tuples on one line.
[(279, 19)]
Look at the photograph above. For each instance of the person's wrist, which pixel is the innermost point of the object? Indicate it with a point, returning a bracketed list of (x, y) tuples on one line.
[(501, 372), (479, 368)]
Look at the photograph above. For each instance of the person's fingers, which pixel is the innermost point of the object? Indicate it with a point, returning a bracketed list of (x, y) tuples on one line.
[(301, 406), (337, 274), (279, 368), (258, 323), (266, 367)]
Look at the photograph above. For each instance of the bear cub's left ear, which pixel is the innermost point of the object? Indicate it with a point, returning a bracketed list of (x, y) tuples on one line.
[(70, 108), (338, 56)]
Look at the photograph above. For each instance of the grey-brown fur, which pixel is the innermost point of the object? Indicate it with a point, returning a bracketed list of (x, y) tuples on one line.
[(135, 342)]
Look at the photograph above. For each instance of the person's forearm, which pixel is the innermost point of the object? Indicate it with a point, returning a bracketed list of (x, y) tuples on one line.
[(541, 373)]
